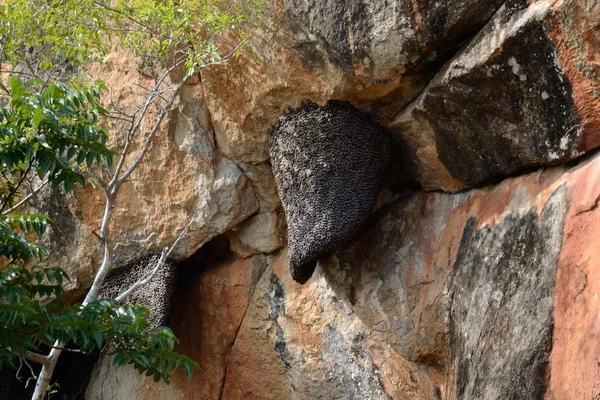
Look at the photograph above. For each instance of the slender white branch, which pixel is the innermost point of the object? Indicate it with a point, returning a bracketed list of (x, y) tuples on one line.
[(155, 128), (26, 198), (107, 261), (163, 257), (144, 109), (224, 59), (46, 373)]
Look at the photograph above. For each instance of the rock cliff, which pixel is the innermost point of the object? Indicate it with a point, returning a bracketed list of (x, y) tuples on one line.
[(477, 274)]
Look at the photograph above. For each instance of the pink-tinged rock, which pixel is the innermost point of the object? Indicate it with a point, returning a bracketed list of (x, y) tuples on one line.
[(472, 296), (207, 312), (574, 370), (486, 294)]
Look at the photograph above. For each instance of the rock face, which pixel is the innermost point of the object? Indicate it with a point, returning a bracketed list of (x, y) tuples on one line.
[(465, 296), (182, 177), (518, 95), (329, 164), (502, 299), (485, 287), (377, 55)]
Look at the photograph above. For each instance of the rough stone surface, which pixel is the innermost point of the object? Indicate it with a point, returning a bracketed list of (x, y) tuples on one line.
[(486, 293), (512, 98), (329, 164), (377, 55), (182, 176), (444, 296), (502, 299), (259, 234), (207, 313)]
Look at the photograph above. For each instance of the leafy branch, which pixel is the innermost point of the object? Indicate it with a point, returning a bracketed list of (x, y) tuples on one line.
[(50, 133)]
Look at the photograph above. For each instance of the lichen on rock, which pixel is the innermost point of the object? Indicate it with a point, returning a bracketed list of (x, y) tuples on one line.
[(329, 164)]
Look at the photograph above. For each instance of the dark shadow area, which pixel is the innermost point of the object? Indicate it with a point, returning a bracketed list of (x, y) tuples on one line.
[(204, 259), (70, 378)]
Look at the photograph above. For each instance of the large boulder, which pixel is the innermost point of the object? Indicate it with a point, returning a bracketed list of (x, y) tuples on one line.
[(376, 55), (523, 93)]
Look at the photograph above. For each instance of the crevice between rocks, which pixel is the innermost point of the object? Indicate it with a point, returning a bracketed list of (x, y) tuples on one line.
[(447, 59), (237, 331), (529, 169)]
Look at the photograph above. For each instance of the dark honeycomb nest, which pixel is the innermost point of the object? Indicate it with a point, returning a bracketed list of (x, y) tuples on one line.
[(156, 296), (329, 163)]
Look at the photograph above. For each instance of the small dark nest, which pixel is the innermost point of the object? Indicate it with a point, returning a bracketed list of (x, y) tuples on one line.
[(329, 163), (156, 296)]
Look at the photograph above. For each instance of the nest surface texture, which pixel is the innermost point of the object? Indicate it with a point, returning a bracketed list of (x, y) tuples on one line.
[(156, 296), (329, 163)]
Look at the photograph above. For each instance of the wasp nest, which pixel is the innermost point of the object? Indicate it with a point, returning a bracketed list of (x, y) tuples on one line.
[(156, 295), (329, 164)]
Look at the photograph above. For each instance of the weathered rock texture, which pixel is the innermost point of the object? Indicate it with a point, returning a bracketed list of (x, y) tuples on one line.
[(472, 91), (182, 177), (520, 94), (217, 301), (467, 296), (377, 55), (502, 299), (490, 292), (329, 165)]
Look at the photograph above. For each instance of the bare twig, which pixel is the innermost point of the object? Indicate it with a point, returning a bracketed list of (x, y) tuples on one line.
[(163, 257), (152, 133), (79, 351), (33, 375), (26, 198), (224, 59), (107, 261), (144, 109)]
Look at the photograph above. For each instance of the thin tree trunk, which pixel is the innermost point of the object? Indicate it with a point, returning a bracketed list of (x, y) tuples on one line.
[(41, 385)]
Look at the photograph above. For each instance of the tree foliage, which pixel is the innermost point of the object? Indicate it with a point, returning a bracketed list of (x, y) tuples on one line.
[(32, 316), (53, 134), (50, 133), (45, 37)]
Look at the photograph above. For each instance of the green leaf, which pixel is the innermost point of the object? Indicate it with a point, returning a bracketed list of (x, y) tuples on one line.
[(38, 117), (98, 338)]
